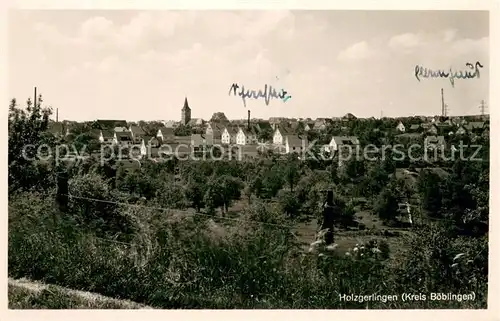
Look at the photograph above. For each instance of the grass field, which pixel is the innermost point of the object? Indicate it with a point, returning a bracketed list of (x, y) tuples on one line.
[(25, 294)]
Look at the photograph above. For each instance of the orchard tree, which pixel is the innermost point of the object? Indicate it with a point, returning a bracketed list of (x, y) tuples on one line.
[(221, 191)]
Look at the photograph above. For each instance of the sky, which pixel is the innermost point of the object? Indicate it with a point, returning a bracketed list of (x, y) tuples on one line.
[(140, 65)]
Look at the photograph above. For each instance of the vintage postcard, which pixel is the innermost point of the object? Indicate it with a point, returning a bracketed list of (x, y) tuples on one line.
[(249, 159)]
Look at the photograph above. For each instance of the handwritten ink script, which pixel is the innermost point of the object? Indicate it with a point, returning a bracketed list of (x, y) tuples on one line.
[(473, 72), (268, 93)]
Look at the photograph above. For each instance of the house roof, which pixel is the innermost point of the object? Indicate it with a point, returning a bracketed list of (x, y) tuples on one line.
[(415, 126), (186, 140), (246, 131), (137, 130), (474, 125), (195, 121), (166, 131), (170, 123), (120, 129), (110, 123), (107, 134), (263, 125), (294, 141), (216, 125), (123, 135), (232, 130), (284, 130)]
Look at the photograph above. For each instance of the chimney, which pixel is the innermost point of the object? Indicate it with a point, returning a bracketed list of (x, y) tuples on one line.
[(34, 99), (57, 115), (248, 122)]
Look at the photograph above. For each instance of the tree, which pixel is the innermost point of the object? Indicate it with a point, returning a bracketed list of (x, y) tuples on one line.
[(183, 130), (221, 191), (25, 130), (194, 192), (429, 186), (91, 205), (387, 205), (292, 174), (289, 203)]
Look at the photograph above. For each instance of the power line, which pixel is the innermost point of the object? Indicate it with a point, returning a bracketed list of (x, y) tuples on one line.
[(168, 209)]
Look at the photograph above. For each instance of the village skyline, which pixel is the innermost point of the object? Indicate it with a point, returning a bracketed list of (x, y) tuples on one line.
[(141, 64)]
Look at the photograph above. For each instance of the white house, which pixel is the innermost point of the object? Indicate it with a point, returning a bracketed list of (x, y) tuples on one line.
[(229, 135), (338, 141), (401, 127), (279, 133), (245, 137), (294, 144)]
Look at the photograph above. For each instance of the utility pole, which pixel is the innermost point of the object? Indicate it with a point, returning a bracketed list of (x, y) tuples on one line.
[(57, 115), (443, 108), (34, 99), (482, 107)]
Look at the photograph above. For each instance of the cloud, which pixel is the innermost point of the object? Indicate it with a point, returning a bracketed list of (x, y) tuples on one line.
[(449, 35), (471, 46), (406, 42), (358, 51)]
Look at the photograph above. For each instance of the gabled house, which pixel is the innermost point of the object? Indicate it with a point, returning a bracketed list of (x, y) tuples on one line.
[(401, 127), (295, 144), (228, 135), (137, 133), (107, 137), (338, 141), (308, 126), (166, 134), (278, 135), (123, 138), (246, 136)]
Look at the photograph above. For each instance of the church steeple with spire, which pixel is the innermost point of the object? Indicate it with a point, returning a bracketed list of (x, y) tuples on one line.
[(186, 113)]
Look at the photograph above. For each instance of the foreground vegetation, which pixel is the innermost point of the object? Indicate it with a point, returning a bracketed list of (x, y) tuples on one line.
[(24, 294), (176, 235)]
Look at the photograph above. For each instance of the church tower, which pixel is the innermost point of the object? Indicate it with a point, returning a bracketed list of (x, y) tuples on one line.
[(186, 113)]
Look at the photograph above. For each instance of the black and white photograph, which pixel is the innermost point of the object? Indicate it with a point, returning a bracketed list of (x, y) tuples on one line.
[(248, 159)]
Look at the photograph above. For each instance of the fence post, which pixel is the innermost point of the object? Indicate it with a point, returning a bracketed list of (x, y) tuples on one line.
[(328, 218), (62, 191)]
